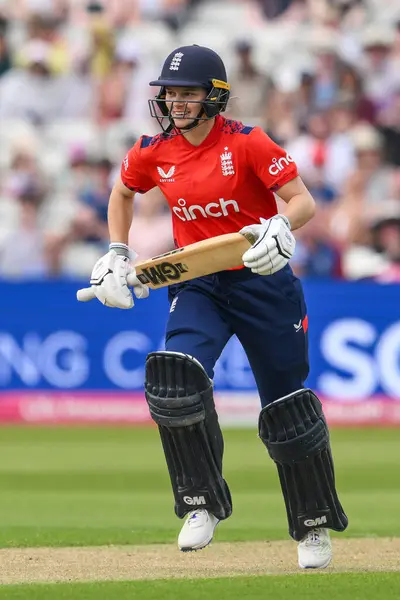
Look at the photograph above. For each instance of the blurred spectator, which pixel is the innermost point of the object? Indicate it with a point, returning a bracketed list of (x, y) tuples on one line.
[(351, 12), (381, 72), (389, 126), (91, 221), (340, 19), (396, 44), (281, 123), (79, 92), (371, 184), (5, 55), (316, 253), (45, 27), (303, 99), (321, 154), (250, 88), (78, 174), (342, 117), (120, 91), (32, 92), (24, 173), (151, 214), (386, 240), (327, 66), (373, 178), (351, 90), (23, 251), (175, 13), (101, 41), (92, 187), (272, 9), (378, 257)]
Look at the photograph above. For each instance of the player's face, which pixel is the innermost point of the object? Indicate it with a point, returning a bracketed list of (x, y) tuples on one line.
[(182, 104)]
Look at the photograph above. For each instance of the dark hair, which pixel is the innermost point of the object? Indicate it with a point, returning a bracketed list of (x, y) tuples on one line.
[(94, 7), (3, 25), (344, 69)]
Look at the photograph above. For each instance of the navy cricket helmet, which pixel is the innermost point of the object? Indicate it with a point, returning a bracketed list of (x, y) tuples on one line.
[(192, 66)]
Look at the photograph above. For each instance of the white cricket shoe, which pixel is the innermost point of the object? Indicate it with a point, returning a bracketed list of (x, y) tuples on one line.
[(197, 531), (315, 549)]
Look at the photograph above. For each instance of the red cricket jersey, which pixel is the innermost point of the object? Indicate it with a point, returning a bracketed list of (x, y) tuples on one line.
[(218, 187)]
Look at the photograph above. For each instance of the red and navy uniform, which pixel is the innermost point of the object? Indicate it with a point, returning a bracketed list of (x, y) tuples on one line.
[(218, 187)]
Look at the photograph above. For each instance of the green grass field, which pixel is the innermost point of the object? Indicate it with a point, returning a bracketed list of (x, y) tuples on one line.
[(100, 486), (370, 586)]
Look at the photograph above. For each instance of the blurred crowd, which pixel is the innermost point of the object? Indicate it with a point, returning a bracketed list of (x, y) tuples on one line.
[(321, 77)]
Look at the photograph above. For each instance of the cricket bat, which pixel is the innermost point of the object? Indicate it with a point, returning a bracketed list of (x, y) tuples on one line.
[(194, 260)]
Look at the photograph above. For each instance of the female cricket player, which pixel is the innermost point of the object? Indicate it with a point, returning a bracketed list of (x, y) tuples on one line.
[(219, 176)]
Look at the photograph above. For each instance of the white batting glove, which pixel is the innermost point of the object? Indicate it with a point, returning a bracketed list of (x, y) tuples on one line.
[(274, 246), (111, 276)]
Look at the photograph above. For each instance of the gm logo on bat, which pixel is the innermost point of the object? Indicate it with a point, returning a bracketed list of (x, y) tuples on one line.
[(162, 273)]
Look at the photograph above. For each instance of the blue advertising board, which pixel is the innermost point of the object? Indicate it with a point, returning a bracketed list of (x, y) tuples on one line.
[(49, 341)]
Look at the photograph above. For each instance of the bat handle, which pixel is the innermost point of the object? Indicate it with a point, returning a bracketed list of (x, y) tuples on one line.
[(249, 237), (85, 294), (132, 279)]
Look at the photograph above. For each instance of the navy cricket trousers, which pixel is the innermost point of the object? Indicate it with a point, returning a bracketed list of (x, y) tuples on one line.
[(266, 313)]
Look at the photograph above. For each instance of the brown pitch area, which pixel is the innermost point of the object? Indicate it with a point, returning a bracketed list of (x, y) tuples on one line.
[(33, 565)]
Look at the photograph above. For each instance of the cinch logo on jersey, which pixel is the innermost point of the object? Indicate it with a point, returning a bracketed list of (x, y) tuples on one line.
[(280, 164), (176, 61), (213, 209), (226, 163), (166, 176)]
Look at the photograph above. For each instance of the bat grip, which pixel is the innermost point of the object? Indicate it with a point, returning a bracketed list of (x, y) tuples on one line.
[(249, 237), (85, 294)]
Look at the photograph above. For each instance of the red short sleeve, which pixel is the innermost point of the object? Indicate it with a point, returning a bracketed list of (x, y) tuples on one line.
[(133, 170), (273, 165)]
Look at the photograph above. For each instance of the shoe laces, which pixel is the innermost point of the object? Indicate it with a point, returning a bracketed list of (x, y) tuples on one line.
[(313, 538), (193, 516)]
